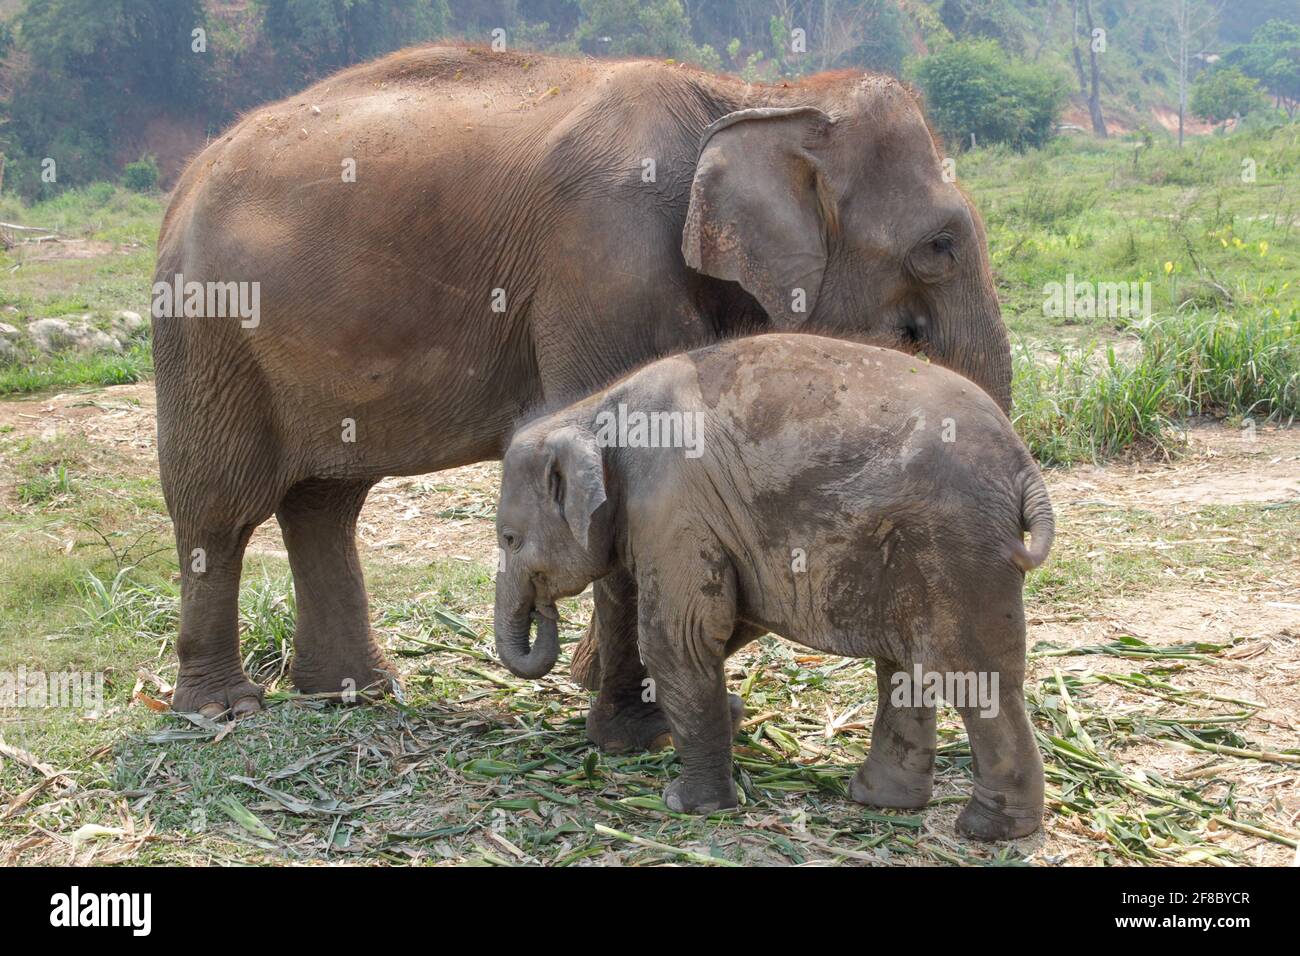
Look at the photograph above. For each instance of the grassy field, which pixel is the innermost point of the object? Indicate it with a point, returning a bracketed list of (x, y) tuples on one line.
[(1165, 629)]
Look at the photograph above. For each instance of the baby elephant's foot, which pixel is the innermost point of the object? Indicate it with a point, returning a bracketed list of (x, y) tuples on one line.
[(879, 785), (989, 816), (682, 796)]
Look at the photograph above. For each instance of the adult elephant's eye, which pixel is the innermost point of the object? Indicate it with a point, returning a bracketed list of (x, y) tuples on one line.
[(511, 540), (942, 245)]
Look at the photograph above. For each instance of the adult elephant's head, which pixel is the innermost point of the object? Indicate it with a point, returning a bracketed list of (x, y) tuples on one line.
[(842, 221)]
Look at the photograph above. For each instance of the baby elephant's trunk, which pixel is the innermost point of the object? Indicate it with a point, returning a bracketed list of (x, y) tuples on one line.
[(1036, 518), (513, 621)]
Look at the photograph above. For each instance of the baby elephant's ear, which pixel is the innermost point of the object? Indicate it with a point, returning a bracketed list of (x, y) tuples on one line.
[(575, 474)]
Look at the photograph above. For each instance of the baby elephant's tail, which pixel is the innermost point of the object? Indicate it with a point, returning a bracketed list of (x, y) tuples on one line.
[(1036, 518)]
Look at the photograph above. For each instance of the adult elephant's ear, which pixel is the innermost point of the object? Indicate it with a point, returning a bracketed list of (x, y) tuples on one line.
[(760, 210)]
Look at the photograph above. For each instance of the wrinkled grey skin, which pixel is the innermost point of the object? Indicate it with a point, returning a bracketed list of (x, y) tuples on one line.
[(519, 181), (914, 549)]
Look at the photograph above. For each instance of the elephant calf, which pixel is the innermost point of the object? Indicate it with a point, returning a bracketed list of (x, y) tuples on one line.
[(849, 497)]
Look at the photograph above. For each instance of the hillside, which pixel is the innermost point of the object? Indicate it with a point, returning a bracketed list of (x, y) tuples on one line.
[(101, 85)]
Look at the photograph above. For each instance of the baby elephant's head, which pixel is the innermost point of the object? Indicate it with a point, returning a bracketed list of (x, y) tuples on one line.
[(553, 536)]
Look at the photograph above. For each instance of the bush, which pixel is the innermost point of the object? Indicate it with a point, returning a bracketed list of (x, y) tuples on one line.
[(1221, 94), (142, 175), (972, 87), (658, 28)]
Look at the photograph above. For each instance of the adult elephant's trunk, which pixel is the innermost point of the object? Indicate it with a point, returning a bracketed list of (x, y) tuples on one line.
[(969, 337), (513, 619), (983, 353), (990, 365)]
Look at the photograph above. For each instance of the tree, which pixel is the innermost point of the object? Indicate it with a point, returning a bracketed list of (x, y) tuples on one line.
[(974, 89), (118, 50), (638, 28), (1190, 20), (1093, 93), (1273, 57), (316, 37), (1222, 94), (867, 33), (88, 67), (986, 19)]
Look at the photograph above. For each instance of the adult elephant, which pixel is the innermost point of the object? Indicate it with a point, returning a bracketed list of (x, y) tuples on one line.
[(439, 240)]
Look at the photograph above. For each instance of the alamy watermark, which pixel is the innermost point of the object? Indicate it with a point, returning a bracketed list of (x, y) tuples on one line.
[(974, 689), (75, 908), (211, 300), (63, 689), (1073, 299), (634, 429)]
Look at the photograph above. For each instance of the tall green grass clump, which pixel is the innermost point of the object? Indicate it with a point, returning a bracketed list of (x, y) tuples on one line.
[(1090, 406), (1247, 365)]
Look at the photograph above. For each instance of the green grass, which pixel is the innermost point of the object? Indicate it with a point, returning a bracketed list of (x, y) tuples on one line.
[(1182, 220), (480, 767), (1245, 366), (100, 211), (97, 286), (1091, 404), (67, 370)]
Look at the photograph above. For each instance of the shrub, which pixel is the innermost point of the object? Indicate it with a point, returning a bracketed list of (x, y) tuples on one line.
[(972, 87), (1221, 94), (142, 175)]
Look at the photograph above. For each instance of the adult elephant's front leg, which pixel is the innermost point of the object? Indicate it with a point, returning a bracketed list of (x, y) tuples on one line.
[(624, 716)]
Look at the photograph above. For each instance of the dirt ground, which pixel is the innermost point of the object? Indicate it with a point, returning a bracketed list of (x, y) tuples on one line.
[(1251, 608)]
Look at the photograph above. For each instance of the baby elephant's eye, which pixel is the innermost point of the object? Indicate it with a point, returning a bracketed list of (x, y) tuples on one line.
[(941, 245)]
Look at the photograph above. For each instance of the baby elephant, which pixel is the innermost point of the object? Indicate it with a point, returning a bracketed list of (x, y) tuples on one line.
[(848, 497)]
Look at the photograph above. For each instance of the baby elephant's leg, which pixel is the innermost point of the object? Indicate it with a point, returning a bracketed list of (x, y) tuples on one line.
[(899, 770), (1007, 801), (683, 644)]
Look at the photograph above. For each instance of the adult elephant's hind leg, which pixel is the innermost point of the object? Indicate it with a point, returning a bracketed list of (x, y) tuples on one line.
[(334, 652)]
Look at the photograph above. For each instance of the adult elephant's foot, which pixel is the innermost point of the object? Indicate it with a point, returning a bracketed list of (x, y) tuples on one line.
[(990, 816), (636, 727), (683, 796), (215, 691), (877, 784), (351, 672), (627, 726)]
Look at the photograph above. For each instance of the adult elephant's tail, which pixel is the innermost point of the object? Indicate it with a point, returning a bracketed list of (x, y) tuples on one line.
[(1036, 518)]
